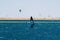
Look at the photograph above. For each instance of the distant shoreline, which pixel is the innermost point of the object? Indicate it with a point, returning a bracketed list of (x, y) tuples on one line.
[(29, 18)]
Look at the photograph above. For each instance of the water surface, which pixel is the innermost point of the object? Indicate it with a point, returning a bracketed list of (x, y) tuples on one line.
[(21, 30)]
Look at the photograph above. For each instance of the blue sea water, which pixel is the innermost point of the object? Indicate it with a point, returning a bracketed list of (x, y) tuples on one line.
[(21, 30)]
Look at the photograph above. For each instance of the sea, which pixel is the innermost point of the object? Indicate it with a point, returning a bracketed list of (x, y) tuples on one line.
[(21, 30)]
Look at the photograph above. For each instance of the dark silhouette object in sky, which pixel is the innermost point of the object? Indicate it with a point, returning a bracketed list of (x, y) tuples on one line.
[(32, 22), (19, 10)]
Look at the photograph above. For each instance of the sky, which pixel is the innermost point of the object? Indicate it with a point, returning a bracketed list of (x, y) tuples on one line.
[(34, 8)]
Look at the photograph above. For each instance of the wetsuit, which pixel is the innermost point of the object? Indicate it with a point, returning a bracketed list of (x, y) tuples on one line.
[(32, 22)]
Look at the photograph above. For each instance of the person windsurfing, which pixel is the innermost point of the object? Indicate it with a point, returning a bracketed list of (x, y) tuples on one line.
[(32, 22)]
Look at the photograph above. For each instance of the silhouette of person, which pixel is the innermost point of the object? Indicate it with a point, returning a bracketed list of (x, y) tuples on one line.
[(32, 22), (31, 18)]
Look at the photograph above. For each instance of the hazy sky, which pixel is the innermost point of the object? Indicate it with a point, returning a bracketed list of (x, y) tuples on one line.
[(35, 8)]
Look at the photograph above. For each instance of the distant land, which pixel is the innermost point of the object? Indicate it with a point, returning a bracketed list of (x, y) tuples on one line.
[(29, 18)]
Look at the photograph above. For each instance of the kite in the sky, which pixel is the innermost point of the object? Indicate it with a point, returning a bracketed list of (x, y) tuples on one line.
[(20, 10)]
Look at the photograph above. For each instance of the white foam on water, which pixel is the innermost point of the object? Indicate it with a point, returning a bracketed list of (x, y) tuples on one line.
[(29, 22)]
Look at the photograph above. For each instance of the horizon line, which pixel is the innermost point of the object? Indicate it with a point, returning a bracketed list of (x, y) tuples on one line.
[(29, 18)]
